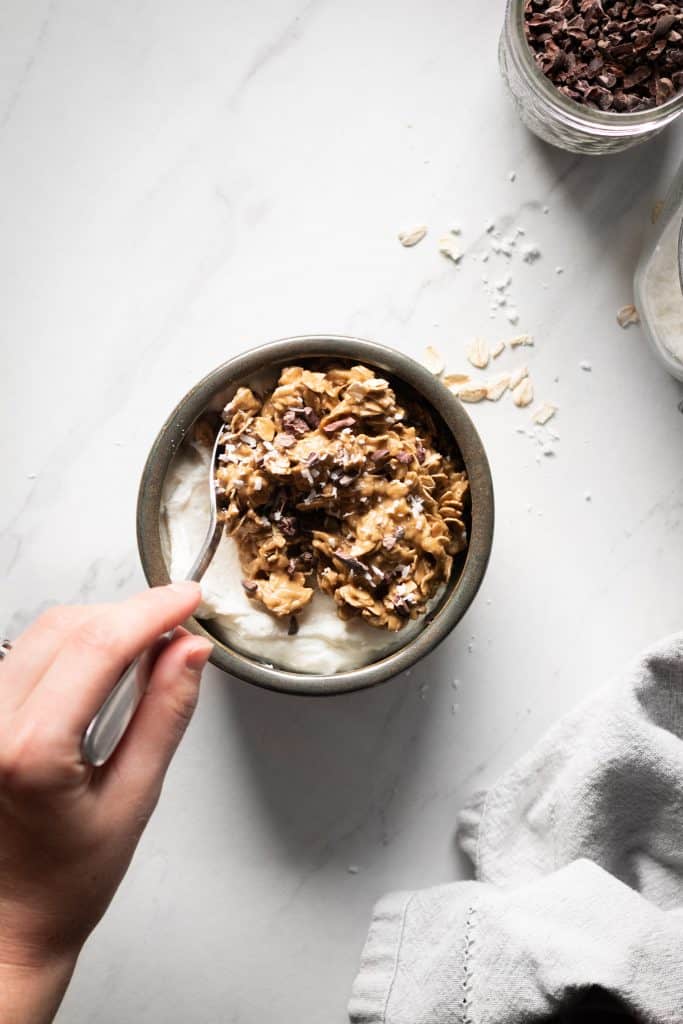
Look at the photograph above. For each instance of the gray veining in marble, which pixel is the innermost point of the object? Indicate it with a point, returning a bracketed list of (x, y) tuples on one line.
[(181, 181)]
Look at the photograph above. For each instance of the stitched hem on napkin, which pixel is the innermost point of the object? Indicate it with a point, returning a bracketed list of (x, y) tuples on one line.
[(379, 960)]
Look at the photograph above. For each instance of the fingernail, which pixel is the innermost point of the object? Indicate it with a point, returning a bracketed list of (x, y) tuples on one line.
[(185, 588), (198, 655)]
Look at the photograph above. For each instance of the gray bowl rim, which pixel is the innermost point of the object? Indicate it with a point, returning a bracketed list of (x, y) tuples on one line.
[(286, 351)]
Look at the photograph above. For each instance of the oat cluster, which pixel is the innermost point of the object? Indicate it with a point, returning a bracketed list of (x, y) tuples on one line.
[(329, 482)]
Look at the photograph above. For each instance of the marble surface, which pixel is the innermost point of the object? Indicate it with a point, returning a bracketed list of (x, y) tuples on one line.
[(182, 181)]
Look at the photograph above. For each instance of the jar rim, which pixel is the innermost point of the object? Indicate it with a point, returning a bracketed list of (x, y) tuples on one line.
[(589, 119)]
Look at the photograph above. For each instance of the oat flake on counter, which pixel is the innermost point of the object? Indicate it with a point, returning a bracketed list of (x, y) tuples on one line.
[(478, 353), (412, 236), (628, 315), (544, 413), (523, 394), (449, 247), (433, 360)]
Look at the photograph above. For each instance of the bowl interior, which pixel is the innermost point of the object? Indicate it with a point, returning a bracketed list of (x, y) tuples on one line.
[(455, 429)]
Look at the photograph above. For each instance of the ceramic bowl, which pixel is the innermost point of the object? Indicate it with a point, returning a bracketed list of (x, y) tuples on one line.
[(468, 570)]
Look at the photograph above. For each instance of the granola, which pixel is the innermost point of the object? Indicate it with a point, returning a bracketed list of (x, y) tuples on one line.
[(328, 482)]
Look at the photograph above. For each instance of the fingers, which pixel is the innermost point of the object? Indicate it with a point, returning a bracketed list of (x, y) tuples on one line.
[(34, 651), (139, 764), (93, 656)]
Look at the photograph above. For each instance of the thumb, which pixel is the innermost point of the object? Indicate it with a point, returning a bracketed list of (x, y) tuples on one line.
[(143, 756)]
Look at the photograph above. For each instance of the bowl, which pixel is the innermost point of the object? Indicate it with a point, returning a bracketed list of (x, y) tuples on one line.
[(464, 584)]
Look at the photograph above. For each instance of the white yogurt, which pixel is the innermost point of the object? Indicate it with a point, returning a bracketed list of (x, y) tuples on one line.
[(324, 643)]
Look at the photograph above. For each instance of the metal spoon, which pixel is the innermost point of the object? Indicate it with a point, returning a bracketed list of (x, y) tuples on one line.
[(107, 727)]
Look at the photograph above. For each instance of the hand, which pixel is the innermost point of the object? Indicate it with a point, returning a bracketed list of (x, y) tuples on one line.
[(68, 831)]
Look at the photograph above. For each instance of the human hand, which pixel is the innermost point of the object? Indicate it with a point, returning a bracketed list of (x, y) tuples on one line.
[(68, 831)]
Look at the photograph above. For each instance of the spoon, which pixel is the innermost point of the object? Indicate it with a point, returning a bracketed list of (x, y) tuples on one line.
[(107, 727)]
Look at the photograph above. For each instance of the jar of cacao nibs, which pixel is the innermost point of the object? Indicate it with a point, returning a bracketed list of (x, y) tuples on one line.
[(594, 76), (658, 283)]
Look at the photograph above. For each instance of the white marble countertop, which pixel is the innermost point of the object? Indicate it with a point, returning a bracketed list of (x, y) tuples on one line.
[(183, 181)]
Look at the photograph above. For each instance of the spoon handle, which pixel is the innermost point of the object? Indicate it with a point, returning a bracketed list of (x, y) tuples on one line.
[(107, 727), (109, 724)]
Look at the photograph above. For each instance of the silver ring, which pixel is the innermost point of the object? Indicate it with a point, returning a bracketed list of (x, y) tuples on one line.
[(5, 648)]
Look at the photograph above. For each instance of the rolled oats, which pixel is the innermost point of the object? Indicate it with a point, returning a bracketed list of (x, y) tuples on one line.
[(523, 394), (478, 353), (412, 236)]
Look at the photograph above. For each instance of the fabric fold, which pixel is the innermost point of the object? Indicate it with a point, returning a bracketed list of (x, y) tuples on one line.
[(579, 852)]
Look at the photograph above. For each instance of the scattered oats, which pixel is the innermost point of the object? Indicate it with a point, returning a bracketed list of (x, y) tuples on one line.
[(628, 315), (517, 376), (512, 316), (520, 339), (500, 347), (470, 392), (478, 353), (559, 270), (502, 283), (587, 496), (490, 225), (433, 360), (412, 236), (656, 211), (497, 387), (512, 175), (530, 252), (450, 248), (353, 869), (523, 394), (544, 413), (585, 365), (452, 380)]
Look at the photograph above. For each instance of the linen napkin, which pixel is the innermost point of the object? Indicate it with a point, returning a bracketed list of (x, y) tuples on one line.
[(578, 852)]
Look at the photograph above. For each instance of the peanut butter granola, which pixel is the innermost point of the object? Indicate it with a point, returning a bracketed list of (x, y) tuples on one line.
[(329, 482)]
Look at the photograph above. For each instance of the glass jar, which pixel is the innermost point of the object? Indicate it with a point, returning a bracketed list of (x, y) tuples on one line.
[(559, 120), (658, 282)]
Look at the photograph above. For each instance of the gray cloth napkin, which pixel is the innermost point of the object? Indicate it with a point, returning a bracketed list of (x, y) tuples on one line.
[(578, 852)]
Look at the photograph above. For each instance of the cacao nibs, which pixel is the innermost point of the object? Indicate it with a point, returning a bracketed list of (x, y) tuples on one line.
[(608, 54)]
